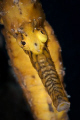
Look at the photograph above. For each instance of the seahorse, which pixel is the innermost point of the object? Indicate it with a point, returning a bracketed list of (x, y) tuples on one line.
[(42, 62), (28, 30)]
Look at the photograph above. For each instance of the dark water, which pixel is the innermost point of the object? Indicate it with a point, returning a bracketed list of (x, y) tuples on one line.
[(64, 18)]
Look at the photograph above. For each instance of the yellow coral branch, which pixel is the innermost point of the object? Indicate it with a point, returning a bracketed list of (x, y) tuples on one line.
[(29, 31), (38, 98)]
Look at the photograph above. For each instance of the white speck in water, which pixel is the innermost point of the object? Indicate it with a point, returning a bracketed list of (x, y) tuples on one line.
[(52, 32), (38, 50), (15, 30), (12, 30), (57, 41), (35, 28), (64, 68), (21, 3), (15, 1), (62, 72), (12, 5), (39, 17), (9, 62), (24, 83), (30, 102), (68, 96), (60, 63), (60, 50)]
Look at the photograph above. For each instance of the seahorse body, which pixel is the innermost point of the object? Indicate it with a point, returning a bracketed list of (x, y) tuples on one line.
[(47, 72)]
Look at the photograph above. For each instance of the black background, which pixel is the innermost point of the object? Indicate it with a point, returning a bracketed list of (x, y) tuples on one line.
[(63, 16)]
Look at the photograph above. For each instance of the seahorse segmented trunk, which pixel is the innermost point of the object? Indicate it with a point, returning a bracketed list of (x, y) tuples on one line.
[(48, 74)]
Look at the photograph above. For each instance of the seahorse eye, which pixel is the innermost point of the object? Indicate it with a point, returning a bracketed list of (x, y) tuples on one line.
[(35, 44), (23, 42), (42, 32), (42, 35)]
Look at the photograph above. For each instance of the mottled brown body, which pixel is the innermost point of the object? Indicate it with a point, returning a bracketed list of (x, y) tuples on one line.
[(47, 72)]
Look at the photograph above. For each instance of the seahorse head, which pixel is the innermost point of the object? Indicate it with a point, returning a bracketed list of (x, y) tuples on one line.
[(32, 39)]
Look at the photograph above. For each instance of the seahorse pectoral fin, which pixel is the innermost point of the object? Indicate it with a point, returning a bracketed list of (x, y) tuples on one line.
[(47, 72)]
